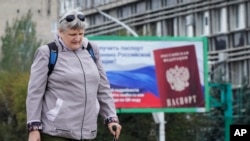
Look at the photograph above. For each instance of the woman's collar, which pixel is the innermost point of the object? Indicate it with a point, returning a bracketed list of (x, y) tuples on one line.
[(68, 48), (85, 42)]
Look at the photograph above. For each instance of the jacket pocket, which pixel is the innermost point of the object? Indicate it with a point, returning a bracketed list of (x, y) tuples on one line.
[(53, 113), (66, 133)]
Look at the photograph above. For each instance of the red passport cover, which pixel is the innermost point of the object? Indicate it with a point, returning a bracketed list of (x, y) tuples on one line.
[(178, 77)]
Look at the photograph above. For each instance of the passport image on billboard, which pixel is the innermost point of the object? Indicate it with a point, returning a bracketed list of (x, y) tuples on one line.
[(178, 77)]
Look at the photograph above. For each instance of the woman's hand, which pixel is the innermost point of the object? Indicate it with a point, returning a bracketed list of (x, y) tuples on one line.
[(117, 132), (34, 136)]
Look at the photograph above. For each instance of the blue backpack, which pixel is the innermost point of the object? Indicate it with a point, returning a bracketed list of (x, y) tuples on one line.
[(54, 53)]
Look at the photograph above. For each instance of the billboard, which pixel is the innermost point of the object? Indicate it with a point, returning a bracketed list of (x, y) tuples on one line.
[(152, 74)]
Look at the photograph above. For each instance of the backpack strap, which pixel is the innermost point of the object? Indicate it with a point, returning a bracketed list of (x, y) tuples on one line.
[(54, 53), (91, 51), (53, 56)]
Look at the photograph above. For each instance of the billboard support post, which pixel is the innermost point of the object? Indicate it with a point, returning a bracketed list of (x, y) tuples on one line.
[(159, 117)]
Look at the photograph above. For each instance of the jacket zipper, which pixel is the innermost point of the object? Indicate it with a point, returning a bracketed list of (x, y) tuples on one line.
[(85, 89)]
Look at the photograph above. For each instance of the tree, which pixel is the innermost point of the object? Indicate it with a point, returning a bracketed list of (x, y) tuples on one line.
[(241, 103), (19, 44), (12, 106), (135, 127)]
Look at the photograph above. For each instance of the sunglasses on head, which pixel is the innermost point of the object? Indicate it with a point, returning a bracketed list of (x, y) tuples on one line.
[(71, 18)]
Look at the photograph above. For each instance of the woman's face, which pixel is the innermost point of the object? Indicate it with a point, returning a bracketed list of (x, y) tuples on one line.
[(72, 38)]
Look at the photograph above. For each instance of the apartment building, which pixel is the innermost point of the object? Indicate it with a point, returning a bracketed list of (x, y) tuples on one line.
[(44, 14), (226, 23)]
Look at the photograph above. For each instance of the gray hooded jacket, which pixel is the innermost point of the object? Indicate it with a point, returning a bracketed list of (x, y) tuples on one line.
[(67, 102)]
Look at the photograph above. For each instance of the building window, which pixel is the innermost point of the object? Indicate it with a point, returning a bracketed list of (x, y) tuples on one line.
[(119, 13), (199, 23), (186, 1), (134, 8), (236, 72), (152, 29), (92, 20), (148, 5), (248, 13), (181, 25), (248, 38), (139, 29), (202, 25), (99, 2), (79, 2), (179, 1), (221, 42), (171, 2), (49, 8), (105, 19), (238, 16), (164, 3), (216, 20), (169, 26), (189, 25), (238, 39), (219, 20), (88, 3)]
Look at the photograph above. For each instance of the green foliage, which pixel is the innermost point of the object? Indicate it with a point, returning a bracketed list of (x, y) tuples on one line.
[(12, 106), (19, 44), (242, 103), (135, 127), (19, 93)]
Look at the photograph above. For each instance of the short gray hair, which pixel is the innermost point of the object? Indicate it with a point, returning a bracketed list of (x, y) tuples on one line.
[(75, 24)]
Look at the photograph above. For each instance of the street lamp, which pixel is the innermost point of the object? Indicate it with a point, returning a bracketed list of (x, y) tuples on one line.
[(119, 22)]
